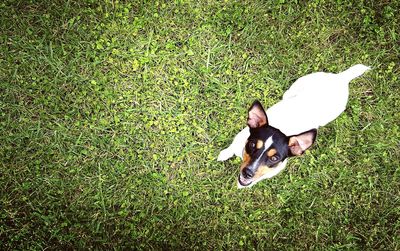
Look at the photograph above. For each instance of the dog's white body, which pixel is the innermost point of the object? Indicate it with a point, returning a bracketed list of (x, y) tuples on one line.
[(312, 101)]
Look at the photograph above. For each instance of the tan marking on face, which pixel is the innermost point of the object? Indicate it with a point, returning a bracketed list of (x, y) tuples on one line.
[(246, 160), (261, 171), (260, 144), (271, 152)]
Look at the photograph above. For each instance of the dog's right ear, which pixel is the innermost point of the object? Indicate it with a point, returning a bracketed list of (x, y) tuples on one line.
[(299, 143), (257, 116)]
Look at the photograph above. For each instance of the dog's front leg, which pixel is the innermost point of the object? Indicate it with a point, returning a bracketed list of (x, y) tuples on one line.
[(237, 146)]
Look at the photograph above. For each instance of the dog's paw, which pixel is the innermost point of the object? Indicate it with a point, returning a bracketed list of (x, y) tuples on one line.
[(224, 155)]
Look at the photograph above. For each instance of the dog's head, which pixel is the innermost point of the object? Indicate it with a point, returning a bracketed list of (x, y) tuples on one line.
[(267, 148)]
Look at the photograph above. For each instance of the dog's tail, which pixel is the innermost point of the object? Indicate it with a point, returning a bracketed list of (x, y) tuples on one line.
[(354, 71)]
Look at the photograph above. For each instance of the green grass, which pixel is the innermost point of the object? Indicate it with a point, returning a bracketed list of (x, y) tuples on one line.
[(112, 115)]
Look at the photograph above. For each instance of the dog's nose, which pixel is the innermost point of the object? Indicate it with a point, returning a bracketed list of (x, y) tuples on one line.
[(248, 173)]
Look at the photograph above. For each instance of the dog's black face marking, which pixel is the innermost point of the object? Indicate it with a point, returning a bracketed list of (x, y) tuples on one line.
[(267, 147), (274, 149), (278, 150)]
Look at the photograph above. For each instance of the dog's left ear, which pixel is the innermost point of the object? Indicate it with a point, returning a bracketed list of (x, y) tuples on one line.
[(257, 116), (299, 143)]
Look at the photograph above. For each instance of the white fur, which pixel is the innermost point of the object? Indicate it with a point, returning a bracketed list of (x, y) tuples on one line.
[(237, 146), (312, 101)]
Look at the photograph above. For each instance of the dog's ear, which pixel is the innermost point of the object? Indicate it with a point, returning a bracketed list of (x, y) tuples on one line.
[(257, 116), (299, 143)]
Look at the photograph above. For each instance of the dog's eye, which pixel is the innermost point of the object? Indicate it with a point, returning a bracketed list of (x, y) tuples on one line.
[(252, 145), (274, 158)]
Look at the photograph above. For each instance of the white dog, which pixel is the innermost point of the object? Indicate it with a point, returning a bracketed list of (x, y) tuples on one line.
[(289, 127)]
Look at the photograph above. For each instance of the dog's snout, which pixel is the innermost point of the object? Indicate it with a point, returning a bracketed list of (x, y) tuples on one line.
[(248, 173)]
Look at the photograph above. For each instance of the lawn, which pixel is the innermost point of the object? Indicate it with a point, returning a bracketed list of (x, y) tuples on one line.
[(112, 115)]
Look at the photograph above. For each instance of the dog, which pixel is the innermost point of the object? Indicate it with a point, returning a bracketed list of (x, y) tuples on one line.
[(289, 127)]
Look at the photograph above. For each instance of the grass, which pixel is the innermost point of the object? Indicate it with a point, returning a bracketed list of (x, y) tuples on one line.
[(112, 115)]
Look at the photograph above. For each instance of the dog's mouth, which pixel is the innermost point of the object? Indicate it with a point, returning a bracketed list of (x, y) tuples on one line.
[(243, 181)]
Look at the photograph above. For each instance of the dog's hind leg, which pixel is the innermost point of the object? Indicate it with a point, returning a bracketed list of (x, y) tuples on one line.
[(237, 146)]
